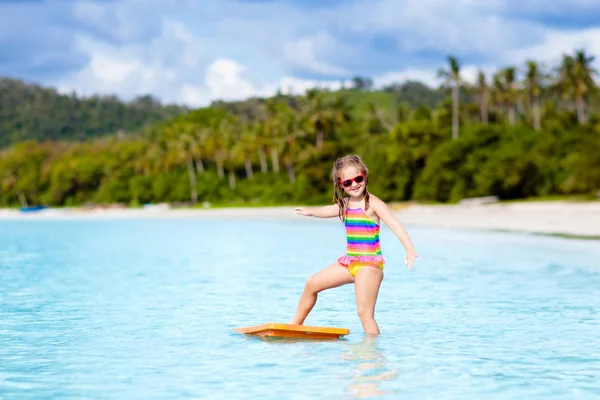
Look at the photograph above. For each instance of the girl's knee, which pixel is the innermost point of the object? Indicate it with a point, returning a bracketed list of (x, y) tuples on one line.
[(365, 314), (312, 284)]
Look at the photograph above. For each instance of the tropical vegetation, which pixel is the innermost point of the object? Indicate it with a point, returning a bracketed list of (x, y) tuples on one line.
[(525, 131)]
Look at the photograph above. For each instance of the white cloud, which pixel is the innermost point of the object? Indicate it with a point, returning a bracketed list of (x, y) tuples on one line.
[(440, 25), (224, 80), (427, 76), (123, 20), (470, 73), (303, 53), (106, 74), (296, 86), (556, 43), (194, 96), (162, 67), (253, 49)]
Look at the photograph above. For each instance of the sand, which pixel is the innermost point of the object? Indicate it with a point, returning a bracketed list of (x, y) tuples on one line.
[(560, 218), (553, 217)]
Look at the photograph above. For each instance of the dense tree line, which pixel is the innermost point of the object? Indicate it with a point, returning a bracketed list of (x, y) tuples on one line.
[(522, 132), (30, 112)]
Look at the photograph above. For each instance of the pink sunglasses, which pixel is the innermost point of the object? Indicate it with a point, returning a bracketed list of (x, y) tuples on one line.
[(357, 179)]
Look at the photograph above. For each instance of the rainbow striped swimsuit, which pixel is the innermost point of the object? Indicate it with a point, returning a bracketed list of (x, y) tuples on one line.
[(363, 248)]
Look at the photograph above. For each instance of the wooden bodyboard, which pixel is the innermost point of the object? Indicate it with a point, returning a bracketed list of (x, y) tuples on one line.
[(273, 329)]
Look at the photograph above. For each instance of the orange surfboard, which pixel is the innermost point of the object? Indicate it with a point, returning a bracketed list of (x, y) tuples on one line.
[(273, 329)]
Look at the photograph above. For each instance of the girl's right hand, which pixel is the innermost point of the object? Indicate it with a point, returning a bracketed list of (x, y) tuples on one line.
[(411, 257), (302, 211)]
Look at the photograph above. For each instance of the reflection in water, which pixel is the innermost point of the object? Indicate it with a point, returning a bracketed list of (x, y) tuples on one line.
[(370, 369)]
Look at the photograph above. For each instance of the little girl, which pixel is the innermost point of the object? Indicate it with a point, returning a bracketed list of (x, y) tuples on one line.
[(361, 213)]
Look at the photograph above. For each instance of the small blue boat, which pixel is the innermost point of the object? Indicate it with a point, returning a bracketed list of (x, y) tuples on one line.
[(32, 209)]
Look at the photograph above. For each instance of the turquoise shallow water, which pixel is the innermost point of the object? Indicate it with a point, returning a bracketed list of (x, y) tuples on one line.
[(145, 309)]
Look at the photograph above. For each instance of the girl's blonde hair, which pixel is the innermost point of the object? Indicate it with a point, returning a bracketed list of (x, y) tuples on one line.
[(336, 174)]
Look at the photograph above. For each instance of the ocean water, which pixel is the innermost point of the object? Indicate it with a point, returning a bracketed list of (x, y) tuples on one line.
[(145, 309)]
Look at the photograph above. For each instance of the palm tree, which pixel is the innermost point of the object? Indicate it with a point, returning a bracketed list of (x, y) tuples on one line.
[(141, 164), (533, 83), (188, 146), (235, 153), (9, 182), (156, 153), (185, 150), (272, 131), (565, 80), (376, 121), (245, 146), (508, 80), (452, 79), (576, 81), (291, 147), (202, 137), (341, 110), (216, 145), (290, 154), (231, 152), (497, 94), (317, 116), (262, 145), (583, 75), (482, 95)]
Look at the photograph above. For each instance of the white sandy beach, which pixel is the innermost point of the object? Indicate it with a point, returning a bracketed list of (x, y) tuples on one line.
[(552, 217)]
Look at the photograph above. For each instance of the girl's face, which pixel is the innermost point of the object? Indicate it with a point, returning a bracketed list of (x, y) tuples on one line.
[(349, 176)]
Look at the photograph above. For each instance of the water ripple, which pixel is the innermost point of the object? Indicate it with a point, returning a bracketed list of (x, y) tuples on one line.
[(146, 309)]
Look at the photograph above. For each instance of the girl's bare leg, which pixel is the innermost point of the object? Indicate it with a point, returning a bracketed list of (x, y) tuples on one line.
[(329, 277), (366, 286)]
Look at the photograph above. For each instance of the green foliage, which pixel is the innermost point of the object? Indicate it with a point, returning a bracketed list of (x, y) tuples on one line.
[(511, 163), (415, 160)]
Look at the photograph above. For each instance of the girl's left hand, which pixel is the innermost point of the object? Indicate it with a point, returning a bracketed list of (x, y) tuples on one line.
[(411, 256)]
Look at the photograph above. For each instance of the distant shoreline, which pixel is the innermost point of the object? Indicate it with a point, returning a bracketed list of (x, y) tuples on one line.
[(560, 218), (556, 218)]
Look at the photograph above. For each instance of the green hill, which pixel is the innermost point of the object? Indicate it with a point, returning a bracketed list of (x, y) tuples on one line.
[(387, 100), (32, 112)]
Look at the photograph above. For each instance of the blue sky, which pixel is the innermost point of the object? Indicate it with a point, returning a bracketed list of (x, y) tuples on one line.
[(195, 51)]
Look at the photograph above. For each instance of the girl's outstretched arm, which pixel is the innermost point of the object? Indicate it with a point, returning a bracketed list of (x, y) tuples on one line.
[(320, 212), (383, 211)]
